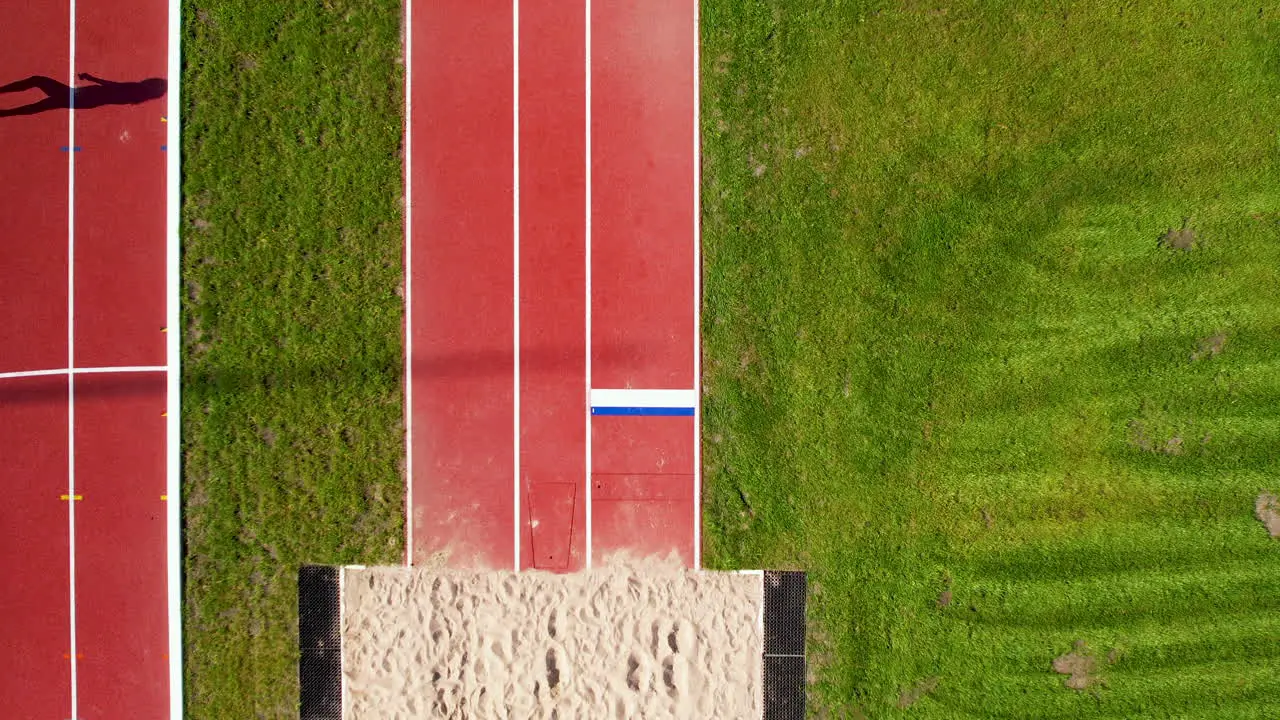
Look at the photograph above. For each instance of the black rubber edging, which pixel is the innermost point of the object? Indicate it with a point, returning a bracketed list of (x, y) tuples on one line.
[(320, 642), (784, 632)]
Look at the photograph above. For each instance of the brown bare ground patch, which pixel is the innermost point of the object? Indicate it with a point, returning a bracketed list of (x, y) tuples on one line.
[(1138, 436), (1267, 509), (1079, 666), (1183, 238), (1147, 438), (1211, 346), (944, 598), (913, 694), (747, 358)]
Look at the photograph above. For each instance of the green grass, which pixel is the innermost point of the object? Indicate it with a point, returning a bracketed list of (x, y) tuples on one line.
[(292, 326), (944, 349), (939, 334)]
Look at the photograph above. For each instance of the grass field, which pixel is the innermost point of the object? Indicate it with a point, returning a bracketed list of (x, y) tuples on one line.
[(954, 372), (950, 369), (292, 369)]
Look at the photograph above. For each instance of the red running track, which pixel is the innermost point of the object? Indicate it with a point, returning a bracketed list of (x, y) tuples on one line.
[(552, 253), (86, 367)]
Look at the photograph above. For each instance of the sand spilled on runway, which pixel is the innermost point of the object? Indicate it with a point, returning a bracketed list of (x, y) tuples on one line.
[(633, 639)]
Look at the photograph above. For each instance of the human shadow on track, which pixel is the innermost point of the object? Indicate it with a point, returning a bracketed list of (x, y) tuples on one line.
[(59, 96)]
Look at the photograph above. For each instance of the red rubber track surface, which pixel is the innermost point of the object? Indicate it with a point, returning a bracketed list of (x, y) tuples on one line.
[(553, 388), (34, 40), (462, 367), (119, 318), (120, 190), (643, 270), (585, 486), (33, 549), (121, 616), (34, 538), (116, 447)]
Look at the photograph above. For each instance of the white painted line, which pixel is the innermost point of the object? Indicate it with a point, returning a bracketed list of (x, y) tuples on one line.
[(89, 371), (587, 410), (642, 398), (127, 368), (173, 358), (71, 359), (342, 654), (760, 615), (33, 373), (697, 292), (408, 283), (515, 272)]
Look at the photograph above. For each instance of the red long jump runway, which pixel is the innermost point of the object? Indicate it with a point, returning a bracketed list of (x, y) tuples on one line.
[(552, 282), (88, 372)]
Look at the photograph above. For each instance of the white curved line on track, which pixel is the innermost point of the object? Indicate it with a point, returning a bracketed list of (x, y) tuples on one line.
[(83, 371)]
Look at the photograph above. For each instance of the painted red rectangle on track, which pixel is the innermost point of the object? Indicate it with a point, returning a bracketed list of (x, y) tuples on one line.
[(642, 445), (121, 612), (553, 397), (120, 183), (462, 292), (552, 512), (34, 40), (643, 268), (34, 551)]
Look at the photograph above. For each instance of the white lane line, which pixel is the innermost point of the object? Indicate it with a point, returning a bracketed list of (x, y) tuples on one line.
[(92, 370), (408, 282), (343, 693), (515, 272), (33, 373), (71, 355), (697, 293), (173, 359), (642, 398), (586, 411)]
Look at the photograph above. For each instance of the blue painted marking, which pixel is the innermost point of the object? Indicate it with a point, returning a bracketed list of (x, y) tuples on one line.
[(64, 148), (641, 411), (164, 147)]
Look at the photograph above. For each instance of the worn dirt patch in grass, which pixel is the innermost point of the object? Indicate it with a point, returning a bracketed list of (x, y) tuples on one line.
[(1081, 666), (1184, 238), (1148, 436), (1267, 510), (1211, 346), (912, 695)]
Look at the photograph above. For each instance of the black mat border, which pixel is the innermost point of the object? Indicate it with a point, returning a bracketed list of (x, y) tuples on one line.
[(319, 643), (785, 593)]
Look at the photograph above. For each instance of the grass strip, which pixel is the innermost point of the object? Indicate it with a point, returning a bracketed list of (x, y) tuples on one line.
[(292, 325)]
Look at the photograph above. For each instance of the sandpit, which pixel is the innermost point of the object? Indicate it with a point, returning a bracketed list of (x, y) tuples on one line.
[(629, 639)]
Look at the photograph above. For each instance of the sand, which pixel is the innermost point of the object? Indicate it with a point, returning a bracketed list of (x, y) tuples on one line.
[(628, 640)]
